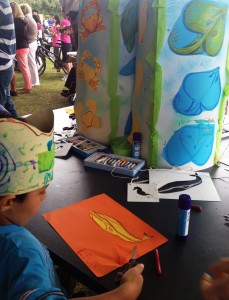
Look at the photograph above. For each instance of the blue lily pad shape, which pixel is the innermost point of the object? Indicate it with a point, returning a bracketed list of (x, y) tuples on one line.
[(191, 143), (7, 165), (199, 92), (129, 25)]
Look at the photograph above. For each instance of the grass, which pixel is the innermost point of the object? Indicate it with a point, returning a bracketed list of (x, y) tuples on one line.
[(47, 95)]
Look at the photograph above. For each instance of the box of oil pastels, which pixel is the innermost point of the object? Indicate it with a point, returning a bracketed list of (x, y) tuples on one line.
[(84, 146), (114, 163)]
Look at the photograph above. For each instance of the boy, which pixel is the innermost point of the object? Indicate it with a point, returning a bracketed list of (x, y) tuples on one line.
[(26, 168)]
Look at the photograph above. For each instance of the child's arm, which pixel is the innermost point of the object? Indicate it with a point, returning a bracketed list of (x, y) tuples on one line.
[(129, 289)]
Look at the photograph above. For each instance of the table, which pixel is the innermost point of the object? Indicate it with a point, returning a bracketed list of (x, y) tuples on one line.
[(182, 262)]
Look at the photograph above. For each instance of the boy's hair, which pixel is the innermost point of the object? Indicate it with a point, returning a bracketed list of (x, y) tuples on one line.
[(19, 198)]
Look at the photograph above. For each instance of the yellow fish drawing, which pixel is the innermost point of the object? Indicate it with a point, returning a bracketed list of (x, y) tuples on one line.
[(112, 226)]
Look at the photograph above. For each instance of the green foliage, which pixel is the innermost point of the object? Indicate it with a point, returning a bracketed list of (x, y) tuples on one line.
[(45, 7)]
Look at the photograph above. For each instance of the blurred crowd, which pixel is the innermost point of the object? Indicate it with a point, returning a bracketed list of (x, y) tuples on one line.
[(22, 29)]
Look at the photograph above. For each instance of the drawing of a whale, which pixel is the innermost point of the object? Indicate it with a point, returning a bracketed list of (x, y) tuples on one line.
[(178, 186)]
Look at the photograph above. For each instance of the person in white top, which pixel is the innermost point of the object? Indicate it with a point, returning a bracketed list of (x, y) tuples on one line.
[(32, 32)]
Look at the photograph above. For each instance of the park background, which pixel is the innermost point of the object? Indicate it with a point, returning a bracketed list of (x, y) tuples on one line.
[(48, 8)]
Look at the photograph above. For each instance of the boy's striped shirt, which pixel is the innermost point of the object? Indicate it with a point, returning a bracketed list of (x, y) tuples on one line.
[(7, 36)]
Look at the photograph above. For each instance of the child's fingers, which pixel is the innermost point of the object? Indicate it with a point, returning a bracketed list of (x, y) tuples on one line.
[(134, 272), (206, 282), (221, 265), (139, 268), (214, 289)]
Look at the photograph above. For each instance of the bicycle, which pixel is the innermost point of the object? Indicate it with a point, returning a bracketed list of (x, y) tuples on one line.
[(43, 52)]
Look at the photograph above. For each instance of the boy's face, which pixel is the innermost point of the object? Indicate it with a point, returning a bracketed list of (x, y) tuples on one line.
[(21, 212)]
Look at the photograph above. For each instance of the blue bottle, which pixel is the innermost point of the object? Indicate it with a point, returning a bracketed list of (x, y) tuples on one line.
[(136, 145), (183, 216)]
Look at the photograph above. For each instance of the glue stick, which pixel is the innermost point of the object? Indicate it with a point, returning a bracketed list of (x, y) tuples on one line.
[(183, 216), (136, 145)]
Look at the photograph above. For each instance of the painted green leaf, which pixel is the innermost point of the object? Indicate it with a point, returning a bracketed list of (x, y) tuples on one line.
[(202, 16), (214, 40), (207, 20)]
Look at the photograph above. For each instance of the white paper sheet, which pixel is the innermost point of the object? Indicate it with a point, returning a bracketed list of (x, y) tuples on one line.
[(172, 183), (142, 192), (62, 149)]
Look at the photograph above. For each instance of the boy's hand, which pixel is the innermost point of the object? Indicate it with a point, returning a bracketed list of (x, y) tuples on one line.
[(216, 287), (129, 289), (132, 280)]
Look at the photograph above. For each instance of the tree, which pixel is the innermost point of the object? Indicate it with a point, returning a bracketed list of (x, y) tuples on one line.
[(45, 7)]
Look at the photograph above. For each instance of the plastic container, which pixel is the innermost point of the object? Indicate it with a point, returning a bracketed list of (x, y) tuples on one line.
[(136, 145), (183, 216), (114, 163)]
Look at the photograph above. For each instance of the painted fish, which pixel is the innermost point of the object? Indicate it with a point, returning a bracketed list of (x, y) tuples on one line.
[(112, 226), (178, 186)]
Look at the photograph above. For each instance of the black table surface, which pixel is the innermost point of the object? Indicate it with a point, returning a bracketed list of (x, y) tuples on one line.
[(182, 262)]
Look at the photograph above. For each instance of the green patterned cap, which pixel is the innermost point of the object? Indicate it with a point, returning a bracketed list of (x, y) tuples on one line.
[(26, 153)]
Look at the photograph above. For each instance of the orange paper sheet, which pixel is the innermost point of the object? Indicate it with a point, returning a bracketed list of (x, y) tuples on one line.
[(103, 233)]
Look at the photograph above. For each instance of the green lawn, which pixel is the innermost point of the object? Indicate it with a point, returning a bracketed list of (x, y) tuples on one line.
[(46, 95)]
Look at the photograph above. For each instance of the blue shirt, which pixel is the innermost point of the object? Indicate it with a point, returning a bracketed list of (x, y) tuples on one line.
[(7, 36), (27, 271)]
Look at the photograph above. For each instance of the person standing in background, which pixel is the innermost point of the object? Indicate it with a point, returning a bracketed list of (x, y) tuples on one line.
[(32, 40), (45, 23), (7, 55), (39, 26), (71, 9), (22, 46), (66, 45), (56, 35)]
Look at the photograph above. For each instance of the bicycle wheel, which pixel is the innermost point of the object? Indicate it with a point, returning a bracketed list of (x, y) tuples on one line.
[(61, 63), (71, 98), (41, 63)]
